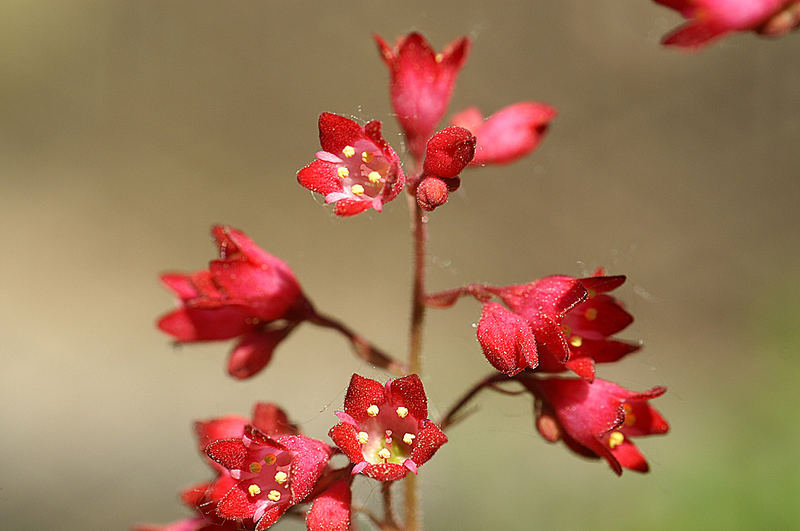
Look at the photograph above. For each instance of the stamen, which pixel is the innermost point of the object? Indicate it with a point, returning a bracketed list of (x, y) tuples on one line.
[(566, 329), (592, 293), (366, 156), (591, 314), (402, 412), (281, 477), (384, 454), (408, 438), (349, 151), (373, 410), (439, 57), (363, 437), (374, 177), (255, 468), (357, 189), (343, 172), (270, 459), (254, 490), (274, 495), (576, 341), (615, 439)]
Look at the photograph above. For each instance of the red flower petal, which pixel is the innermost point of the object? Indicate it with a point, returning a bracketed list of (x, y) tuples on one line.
[(351, 207), (630, 457), (336, 132), (267, 292), (205, 324), (272, 420), (236, 504), (230, 453), (330, 510), (429, 439), (227, 427), (385, 471), (320, 176), (583, 367), (345, 436), (271, 515), (310, 458), (362, 393), (409, 392)]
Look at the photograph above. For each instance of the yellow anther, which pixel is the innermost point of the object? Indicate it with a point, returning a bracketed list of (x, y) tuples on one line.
[(343, 172), (576, 341), (627, 408), (384, 453), (615, 439), (255, 468), (348, 151), (357, 189), (591, 314), (270, 459), (281, 477), (366, 156), (363, 437), (566, 329), (373, 410), (274, 495), (402, 412), (592, 293), (408, 438), (630, 419), (439, 57), (254, 490), (374, 177)]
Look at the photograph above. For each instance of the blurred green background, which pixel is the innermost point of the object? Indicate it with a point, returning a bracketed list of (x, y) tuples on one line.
[(129, 127)]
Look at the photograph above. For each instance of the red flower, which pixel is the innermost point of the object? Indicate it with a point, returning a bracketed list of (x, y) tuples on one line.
[(597, 419), (421, 83), (712, 19), (269, 475), (356, 169), (508, 134), (553, 324), (385, 429), (243, 294)]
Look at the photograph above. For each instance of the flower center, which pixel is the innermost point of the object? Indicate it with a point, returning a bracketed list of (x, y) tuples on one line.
[(388, 434), (363, 170)]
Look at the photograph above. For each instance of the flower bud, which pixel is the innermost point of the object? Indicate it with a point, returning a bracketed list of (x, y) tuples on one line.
[(431, 193)]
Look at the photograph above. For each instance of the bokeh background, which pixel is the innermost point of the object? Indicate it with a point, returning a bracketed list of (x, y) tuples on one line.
[(129, 127)]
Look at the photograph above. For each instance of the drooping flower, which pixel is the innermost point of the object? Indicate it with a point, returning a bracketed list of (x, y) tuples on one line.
[(508, 134), (597, 419), (712, 19), (269, 474), (356, 169), (421, 83), (246, 293), (553, 324), (384, 429)]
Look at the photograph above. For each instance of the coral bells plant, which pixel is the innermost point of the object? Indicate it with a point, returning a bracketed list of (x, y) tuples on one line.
[(264, 469)]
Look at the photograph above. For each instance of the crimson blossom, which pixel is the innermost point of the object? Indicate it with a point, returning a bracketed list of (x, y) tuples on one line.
[(711, 19), (597, 419), (553, 324), (247, 294), (385, 429), (356, 169), (421, 83)]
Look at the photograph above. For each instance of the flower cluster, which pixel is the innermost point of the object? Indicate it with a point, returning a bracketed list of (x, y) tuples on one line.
[(264, 467)]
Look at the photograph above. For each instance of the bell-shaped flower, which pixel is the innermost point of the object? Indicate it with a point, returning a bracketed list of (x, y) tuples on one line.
[(508, 134), (421, 83), (331, 510), (384, 429), (270, 474), (709, 20), (246, 293), (597, 419), (356, 169)]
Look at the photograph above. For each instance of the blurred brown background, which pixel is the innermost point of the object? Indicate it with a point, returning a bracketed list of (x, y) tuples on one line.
[(129, 127)]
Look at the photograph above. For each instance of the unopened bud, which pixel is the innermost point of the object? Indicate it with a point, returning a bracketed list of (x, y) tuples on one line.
[(431, 193)]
